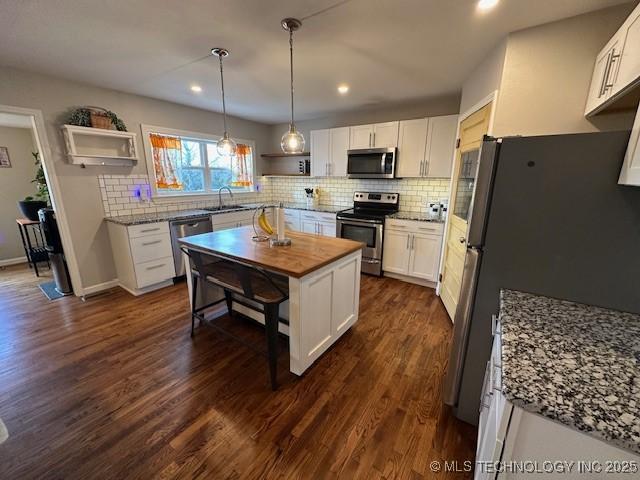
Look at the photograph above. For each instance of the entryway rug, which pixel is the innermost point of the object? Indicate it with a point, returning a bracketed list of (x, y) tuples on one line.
[(49, 289), (4, 434)]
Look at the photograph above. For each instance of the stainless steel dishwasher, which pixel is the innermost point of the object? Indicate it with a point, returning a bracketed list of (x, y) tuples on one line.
[(186, 228)]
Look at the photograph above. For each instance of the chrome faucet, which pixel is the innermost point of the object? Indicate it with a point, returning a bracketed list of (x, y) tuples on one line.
[(220, 205)]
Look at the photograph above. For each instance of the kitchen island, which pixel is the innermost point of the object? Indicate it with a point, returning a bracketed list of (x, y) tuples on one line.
[(324, 284)]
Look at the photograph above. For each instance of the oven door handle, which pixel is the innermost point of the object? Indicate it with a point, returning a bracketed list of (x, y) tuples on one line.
[(363, 222)]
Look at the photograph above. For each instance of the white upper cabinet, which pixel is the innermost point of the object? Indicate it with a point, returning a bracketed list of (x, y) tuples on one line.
[(329, 152), (426, 147), (320, 152), (617, 66), (339, 145), (628, 73), (377, 135), (441, 144), (385, 135), (412, 147), (630, 173), (360, 136)]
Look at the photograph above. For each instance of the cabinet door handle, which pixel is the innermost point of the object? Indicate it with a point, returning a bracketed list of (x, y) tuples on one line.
[(413, 241), (605, 75), (408, 237), (614, 58), (146, 244), (156, 266), (373, 144), (424, 168), (369, 139)]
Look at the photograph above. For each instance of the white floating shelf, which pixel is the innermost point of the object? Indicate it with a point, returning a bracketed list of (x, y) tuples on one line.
[(97, 146)]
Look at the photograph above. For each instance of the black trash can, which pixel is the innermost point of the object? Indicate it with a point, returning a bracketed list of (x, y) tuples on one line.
[(53, 245)]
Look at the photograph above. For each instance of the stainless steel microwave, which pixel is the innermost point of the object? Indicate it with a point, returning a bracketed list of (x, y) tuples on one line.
[(371, 163)]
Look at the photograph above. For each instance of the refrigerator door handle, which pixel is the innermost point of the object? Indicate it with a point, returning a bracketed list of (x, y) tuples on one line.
[(482, 192), (461, 325)]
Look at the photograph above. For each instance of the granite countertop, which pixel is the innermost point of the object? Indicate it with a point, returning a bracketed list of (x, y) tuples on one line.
[(574, 363), (185, 214), (157, 217), (418, 217), (317, 208)]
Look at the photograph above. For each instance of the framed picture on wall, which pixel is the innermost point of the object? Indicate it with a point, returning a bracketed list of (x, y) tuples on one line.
[(4, 158)]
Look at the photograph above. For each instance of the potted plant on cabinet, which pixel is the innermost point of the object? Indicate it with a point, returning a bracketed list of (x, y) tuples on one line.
[(31, 204)]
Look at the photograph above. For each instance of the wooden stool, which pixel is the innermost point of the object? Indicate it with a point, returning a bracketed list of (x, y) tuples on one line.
[(249, 286)]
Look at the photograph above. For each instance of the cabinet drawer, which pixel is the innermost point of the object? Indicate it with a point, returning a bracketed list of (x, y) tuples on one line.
[(150, 247), (148, 229), (326, 217), (415, 226), (155, 271)]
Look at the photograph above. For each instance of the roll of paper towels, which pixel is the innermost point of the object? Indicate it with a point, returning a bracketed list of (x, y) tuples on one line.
[(280, 222)]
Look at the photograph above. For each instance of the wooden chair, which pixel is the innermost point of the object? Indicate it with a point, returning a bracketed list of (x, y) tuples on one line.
[(246, 285)]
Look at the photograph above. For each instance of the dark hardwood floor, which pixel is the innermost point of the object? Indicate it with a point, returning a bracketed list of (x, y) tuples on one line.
[(115, 388)]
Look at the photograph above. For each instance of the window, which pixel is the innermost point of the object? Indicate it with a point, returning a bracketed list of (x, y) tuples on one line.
[(184, 163)]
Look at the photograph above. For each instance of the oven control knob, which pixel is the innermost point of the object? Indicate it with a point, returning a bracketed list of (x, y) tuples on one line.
[(388, 197)]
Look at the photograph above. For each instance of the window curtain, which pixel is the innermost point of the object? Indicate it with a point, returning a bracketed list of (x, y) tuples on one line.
[(243, 177), (167, 152)]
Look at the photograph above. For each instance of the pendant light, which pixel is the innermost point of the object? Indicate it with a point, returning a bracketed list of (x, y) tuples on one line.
[(292, 141), (226, 147)]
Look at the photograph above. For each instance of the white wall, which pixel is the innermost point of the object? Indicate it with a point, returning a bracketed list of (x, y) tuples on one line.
[(80, 187), (15, 185), (547, 73), (485, 78)]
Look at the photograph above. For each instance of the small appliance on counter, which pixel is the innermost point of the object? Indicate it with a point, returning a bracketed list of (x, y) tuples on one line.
[(365, 223), (434, 211), (53, 245)]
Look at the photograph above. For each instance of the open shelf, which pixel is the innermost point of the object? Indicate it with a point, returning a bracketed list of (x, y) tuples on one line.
[(286, 155), (96, 146)]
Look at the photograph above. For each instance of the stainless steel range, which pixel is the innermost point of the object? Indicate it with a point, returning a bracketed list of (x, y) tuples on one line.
[(365, 223)]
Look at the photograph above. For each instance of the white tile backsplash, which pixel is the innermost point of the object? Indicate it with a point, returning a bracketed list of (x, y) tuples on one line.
[(120, 193)]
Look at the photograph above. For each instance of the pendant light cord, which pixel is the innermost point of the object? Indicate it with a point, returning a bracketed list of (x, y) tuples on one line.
[(224, 107), (291, 65)]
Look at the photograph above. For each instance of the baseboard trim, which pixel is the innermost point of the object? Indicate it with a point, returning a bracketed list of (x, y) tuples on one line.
[(417, 281), (100, 287), (141, 291), (13, 261)]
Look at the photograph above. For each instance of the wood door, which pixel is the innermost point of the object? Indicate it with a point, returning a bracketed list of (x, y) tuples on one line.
[(385, 135), (360, 136), (412, 146), (339, 144), (320, 153), (441, 145), (472, 129), (396, 252), (425, 256)]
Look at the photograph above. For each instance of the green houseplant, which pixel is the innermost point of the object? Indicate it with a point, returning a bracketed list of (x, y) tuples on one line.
[(96, 117), (31, 204)]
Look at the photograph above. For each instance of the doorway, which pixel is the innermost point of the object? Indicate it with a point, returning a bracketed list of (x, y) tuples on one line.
[(471, 132), (27, 174)]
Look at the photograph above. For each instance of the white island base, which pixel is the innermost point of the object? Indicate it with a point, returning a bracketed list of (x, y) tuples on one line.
[(322, 306)]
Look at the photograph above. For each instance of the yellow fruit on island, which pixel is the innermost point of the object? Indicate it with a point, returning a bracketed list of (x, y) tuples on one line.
[(264, 223)]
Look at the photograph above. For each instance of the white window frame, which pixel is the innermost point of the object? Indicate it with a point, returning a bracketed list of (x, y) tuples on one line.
[(146, 130)]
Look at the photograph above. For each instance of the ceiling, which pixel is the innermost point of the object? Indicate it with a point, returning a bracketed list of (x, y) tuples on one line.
[(388, 51)]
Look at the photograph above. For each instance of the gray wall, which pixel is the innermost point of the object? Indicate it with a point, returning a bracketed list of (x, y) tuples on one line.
[(373, 114), (485, 78), (15, 184), (83, 204)]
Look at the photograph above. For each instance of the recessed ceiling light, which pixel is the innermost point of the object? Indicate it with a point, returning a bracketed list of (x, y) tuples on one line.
[(343, 89), (487, 4), (196, 88)]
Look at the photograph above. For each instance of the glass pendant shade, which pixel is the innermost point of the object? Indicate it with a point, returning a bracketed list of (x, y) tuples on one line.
[(226, 147), (292, 141)]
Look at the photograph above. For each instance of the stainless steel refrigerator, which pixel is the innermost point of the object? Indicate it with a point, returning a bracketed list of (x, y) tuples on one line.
[(547, 216)]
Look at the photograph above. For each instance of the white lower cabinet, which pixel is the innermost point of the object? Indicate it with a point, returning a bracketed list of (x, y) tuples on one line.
[(510, 436), (224, 221), (412, 249), (142, 255), (318, 223)]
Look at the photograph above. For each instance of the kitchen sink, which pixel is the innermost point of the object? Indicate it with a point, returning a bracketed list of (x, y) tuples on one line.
[(227, 207)]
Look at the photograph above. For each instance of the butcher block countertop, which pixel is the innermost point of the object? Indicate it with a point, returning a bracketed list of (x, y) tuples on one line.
[(306, 253)]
